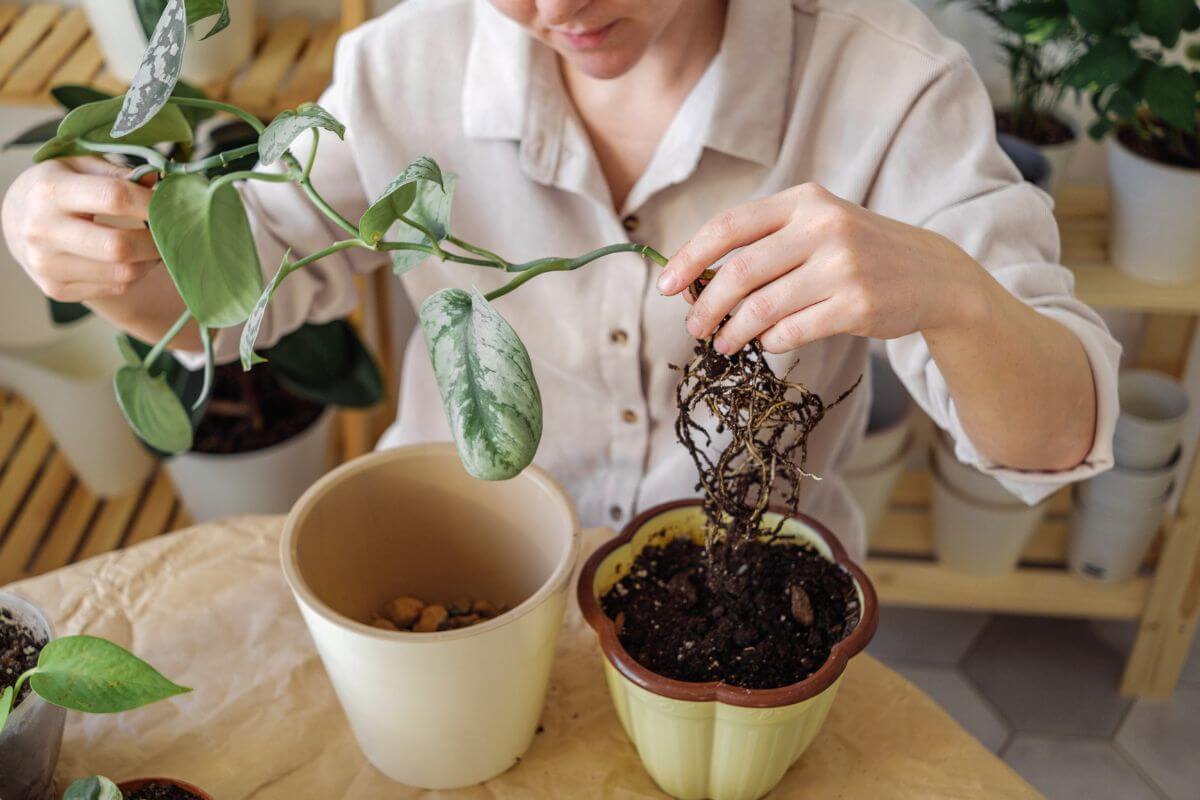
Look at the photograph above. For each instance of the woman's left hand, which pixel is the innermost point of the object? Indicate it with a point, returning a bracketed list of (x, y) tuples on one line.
[(813, 265)]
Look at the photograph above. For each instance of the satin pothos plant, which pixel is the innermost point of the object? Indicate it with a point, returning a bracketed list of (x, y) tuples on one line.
[(202, 231)]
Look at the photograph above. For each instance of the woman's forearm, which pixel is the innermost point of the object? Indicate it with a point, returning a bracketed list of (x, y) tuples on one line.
[(1021, 382)]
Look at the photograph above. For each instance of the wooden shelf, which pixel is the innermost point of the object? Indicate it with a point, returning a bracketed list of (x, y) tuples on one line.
[(44, 45)]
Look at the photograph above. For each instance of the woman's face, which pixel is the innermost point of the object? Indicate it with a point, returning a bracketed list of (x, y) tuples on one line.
[(601, 38)]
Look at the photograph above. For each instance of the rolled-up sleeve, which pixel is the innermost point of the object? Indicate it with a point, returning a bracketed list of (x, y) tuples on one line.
[(944, 171)]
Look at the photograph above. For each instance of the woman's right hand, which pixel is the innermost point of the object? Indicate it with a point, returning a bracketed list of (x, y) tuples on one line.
[(48, 220)]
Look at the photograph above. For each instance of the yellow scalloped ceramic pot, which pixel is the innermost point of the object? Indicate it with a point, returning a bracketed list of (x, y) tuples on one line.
[(712, 740)]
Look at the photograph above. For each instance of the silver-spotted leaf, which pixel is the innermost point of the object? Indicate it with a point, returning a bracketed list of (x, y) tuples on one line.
[(94, 787), (153, 410), (486, 381), (254, 321), (397, 198), (91, 123), (204, 237), (284, 129), (86, 673), (156, 77), (431, 208)]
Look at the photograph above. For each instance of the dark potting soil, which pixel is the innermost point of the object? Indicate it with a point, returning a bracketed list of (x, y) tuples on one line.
[(769, 623), (19, 648), (232, 425), (160, 791), (1156, 150), (1038, 128)]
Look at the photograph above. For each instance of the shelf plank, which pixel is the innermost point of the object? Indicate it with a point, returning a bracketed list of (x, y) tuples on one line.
[(67, 531), (22, 471), (155, 512), (25, 34), (109, 527), (26, 532), (33, 74), (81, 67), (1027, 590), (313, 68), (15, 416), (256, 87)]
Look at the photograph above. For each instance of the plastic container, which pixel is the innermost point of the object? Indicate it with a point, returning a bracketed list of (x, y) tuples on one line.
[(32, 737), (968, 480), (1153, 408), (448, 709), (1108, 542), (977, 537), (872, 488), (1124, 487), (710, 740)]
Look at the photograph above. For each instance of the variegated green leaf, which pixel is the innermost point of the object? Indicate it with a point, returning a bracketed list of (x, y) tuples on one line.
[(95, 787), (158, 73), (397, 198), (284, 129), (153, 411), (486, 382), (254, 321), (431, 208), (86, 673)]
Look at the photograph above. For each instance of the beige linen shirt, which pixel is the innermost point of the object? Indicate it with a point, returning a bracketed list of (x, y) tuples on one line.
[(861, 96)]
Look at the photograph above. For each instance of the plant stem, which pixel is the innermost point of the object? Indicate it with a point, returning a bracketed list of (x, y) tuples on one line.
[(171, 333), (344, 244), (197, 102), (433, 240), (250, 175), (532, 269), (446, 255), (150, 154), (479, 251), (312, 154), (216, 160), (317, 200)]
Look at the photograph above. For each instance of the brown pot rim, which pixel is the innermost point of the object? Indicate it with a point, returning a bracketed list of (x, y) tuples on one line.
[(810, 687), (137, 783)]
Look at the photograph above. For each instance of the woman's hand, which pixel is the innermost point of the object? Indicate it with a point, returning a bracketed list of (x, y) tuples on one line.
[(48, 218), (813, 265)]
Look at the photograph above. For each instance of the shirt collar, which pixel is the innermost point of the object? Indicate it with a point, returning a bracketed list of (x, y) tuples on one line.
[(511, 88)]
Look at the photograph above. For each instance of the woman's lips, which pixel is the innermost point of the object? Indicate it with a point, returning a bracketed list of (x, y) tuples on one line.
[(586, 40)]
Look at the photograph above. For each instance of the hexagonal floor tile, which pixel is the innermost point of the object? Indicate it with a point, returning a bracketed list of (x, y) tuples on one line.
[(1073, 769), (961, 700), (1163, 738), (1049, 676), (922, 636)]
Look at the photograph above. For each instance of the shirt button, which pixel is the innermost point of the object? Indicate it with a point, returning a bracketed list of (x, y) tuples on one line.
[(629, 415), (631, 223), (618, 336), (615, 513)]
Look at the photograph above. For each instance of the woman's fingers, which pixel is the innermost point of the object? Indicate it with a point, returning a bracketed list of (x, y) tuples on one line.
[(79, 193), (81, 292), (818, 321), (763, 308), (98, 242), (725, 232), (68, 268), (746, 270)]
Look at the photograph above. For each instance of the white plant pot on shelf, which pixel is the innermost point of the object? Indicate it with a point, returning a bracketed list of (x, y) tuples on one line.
[(978, 537), (1059, 156), (1109, 540), (266, 481), (1155, 223), (872, 487), (117, 28), (69, 383)]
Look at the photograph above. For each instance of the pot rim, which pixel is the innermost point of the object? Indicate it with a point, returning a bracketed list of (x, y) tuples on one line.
[(718, 691), (901, 455), (1065, 120), (556, 581), (51, 636), (137, 783), (322, 419), (971, 500), (1114, 141)]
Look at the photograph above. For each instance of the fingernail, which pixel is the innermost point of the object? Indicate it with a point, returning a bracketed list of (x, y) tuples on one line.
[(721, 346), (694, 327), (666, 283)]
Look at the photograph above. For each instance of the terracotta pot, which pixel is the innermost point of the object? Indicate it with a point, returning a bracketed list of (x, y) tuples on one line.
[(712, 740), (452, 708), (31, 738), (138, 783)]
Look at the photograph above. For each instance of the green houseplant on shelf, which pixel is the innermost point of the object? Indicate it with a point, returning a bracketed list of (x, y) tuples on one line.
[(42, 676), (1037, 46), (257, 439), (1141, 71)]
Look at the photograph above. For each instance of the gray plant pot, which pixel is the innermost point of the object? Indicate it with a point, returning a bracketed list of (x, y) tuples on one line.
[(31, 740)]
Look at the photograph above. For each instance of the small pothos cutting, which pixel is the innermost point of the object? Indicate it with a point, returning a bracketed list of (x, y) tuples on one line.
[(203, 233)]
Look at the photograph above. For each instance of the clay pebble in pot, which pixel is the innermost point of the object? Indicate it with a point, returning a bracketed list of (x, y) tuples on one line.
[(684, 730), (32, 735)]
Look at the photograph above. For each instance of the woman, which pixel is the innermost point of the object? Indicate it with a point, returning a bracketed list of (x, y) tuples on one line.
[(841, 150)]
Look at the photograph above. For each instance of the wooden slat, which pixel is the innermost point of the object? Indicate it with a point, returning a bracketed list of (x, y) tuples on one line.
[(8, 12), (180, 519), (68, 530), (24, 35), (155, 513), (26, 533), (24, 466), (219, 89), (82, 65), (15, 417), (1049, 592), (33, 73), (257, 86), (109, 528), (314, 68)]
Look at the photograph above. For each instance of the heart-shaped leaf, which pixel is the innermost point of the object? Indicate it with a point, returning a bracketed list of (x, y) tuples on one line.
[(327, 363), (91, 123), (397, 198), (1102, 16), (158, 73), (203, 234), (95, 787), (1170, 93), (153, 411), (86, 673), (431, 208), (38, 134), (254, 321), (284, 129), (1165, 19), (1108, 62), (74, 95), (203, 9), (486, 382)]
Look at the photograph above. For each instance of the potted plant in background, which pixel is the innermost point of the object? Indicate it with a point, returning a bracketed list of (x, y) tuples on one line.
[(1036, 45), (1145, 94), (41, 676)]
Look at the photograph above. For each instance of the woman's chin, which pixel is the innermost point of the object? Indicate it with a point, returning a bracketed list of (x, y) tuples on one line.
[(602, 64)]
